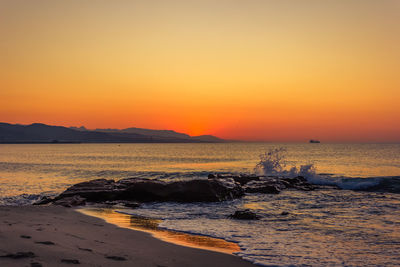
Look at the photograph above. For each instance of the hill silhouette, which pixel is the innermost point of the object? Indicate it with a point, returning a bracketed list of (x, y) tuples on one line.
[(42, 133)]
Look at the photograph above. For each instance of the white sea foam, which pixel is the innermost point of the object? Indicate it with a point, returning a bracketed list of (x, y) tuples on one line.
[(274, 163), (322, 228)]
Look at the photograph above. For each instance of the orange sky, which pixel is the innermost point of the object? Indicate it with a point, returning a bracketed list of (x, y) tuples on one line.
[(240, 69)]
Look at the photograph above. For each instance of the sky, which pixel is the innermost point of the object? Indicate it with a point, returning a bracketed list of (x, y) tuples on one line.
[(284, 70)]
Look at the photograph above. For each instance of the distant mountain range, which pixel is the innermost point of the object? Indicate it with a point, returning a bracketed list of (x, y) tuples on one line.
[(42, 133)]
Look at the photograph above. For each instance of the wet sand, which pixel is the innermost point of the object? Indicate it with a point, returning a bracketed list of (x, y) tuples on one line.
[(57, 236)]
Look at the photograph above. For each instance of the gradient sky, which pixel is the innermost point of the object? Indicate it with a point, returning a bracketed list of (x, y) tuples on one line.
[(253, 70)]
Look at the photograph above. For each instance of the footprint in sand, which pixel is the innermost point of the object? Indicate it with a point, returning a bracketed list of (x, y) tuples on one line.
[(86, 249), (19, 255), (116, 258), (45, 242), (70, 261)]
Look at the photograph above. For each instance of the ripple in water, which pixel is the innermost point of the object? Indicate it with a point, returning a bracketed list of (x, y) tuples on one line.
[(322, 228)]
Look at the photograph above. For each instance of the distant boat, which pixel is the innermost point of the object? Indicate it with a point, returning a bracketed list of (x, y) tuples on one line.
[(314, 141)]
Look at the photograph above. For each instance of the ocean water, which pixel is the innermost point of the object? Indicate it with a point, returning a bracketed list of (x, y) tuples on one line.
[(325, 227)]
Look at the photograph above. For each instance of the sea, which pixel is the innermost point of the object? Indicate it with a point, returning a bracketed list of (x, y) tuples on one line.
[(350, 220)]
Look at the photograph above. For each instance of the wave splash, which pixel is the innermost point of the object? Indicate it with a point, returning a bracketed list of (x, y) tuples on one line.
[(274, 163)]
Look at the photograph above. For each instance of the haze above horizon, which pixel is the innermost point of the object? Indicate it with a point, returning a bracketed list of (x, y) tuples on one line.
[(250, 70)]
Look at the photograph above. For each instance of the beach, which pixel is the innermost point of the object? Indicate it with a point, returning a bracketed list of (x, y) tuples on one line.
[(57, 236), (350, 218)]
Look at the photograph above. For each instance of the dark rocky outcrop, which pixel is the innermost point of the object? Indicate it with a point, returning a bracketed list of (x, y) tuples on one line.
[(95, 190), (242, 180), (263, 187), (244, 215), (181, 191), (270, 185), (145, 190), (299, 183), (44, 200), (71, 201), (130, 191)]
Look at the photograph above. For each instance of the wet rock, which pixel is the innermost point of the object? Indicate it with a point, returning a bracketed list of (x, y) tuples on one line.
[(284, 213), (244, 215), (71, 201), (36, 264), (94, 191), (25, 236), (215, 188), (144, 190), (299, 183), (269, 185), (265, 187), (211, 190), (245, 179), (44, 200)]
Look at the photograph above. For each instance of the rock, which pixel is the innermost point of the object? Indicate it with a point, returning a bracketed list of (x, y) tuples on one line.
[(71, 201), (244, 215), (284, 213), (44, 200), (94, 191), (145, 190), (128, 191), (245, 179), (299, 183), (265, 187), (269, 185), (211, 190)]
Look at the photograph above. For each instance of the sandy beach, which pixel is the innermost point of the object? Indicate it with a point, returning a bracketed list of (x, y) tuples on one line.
[(57, 236)]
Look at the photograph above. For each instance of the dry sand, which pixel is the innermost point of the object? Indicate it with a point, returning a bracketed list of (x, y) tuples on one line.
[(57, 236)]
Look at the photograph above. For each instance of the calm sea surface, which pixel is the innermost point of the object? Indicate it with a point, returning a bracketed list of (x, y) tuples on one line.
[(324, 228)]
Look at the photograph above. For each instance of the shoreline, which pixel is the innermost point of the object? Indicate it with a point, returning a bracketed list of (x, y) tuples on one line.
[(148, 225), (57, 236)]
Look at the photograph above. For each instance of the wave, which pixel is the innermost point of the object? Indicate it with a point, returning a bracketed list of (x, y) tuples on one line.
[(389, 184), (21, 200), (273, 163)]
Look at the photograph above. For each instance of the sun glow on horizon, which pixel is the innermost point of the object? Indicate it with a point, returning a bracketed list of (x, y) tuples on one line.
[(252, 70)]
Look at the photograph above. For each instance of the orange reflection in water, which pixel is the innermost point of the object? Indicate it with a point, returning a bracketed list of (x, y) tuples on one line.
[(151, 226)]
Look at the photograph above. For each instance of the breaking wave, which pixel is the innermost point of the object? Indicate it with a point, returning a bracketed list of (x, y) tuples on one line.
[(274, 163)]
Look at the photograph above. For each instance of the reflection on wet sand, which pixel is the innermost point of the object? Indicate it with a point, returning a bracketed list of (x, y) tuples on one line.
[(151, 226)]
